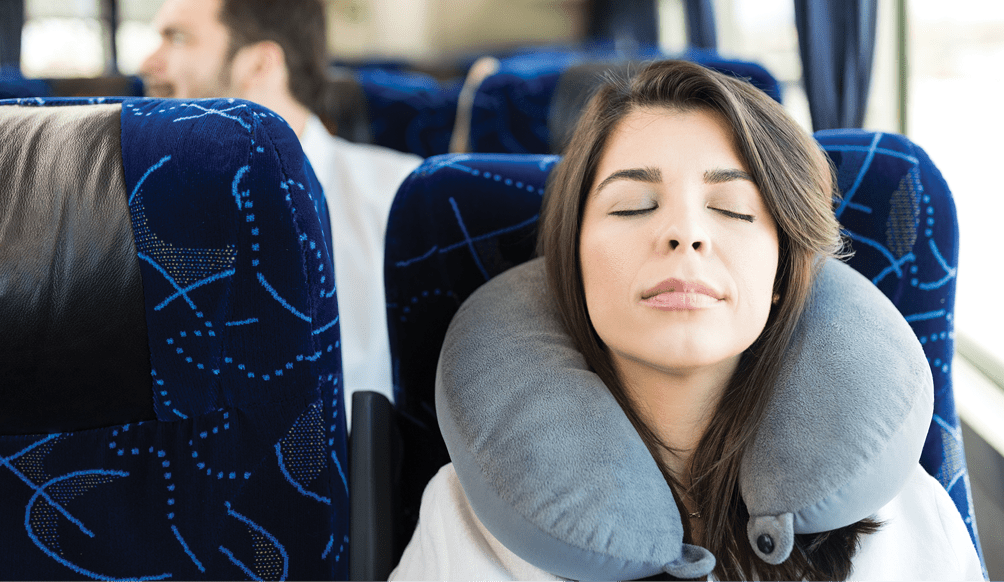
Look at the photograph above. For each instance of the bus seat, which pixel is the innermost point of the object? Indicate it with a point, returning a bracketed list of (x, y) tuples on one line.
[(426, 280), (899, 216), (531, 102), (104, 86), (170, 403), (459, 220), (409, 111), (14, 85), (345, 107)]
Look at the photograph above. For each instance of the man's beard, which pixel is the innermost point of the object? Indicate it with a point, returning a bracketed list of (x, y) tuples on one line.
[(220, 88)]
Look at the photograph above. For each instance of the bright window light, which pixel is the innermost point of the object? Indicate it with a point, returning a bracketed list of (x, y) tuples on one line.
[(61, 47), (955, 115)]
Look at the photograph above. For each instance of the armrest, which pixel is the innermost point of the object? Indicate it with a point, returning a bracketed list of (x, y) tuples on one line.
[(373, 446)]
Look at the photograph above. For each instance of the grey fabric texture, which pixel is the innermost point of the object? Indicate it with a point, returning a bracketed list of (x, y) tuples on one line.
[(772, 537), (550, 463), (554, 469), (850, 413)]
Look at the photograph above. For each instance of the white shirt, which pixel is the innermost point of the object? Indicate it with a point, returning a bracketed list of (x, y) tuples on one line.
[(360, 182), (923, 538)]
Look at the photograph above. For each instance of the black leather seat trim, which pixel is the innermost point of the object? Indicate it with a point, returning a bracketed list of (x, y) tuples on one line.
[(74, 352)]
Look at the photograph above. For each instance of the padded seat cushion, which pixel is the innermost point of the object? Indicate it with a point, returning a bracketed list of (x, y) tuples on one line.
[(73, 344), (240, 474)]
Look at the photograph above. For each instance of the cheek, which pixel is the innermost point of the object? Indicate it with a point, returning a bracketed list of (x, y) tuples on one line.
[(179, 65), (606, 277), (758, 265)]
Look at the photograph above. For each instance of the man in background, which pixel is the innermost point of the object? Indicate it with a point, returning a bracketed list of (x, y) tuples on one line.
[(274, 52)]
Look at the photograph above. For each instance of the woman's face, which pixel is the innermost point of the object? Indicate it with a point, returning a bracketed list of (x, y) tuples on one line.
[(678, 250)]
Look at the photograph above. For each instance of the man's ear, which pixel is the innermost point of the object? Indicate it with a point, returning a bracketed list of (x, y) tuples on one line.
[(258, 67)]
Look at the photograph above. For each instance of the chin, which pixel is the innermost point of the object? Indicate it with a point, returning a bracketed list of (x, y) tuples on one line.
[(690, 354)]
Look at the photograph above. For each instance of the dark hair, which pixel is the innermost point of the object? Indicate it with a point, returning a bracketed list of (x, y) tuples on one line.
[(796, 181), (298, 26)]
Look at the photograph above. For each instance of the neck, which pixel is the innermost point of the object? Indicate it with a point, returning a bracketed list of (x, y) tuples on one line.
[(292, 111), (676, 405), (272, 92), (259, 74)]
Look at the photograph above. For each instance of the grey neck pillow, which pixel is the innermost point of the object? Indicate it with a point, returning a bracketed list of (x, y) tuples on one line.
[(554, 469)]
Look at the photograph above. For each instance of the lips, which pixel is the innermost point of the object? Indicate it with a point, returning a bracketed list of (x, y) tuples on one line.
[(680, 295)]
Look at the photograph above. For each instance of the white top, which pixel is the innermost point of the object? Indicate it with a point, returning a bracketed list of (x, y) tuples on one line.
[(360, 182), (923, 538)]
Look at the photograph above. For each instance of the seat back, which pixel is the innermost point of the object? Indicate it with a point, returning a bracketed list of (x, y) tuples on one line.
[(345, 108), (14, 85), (527, 106), (182, 274), (459, 220), (899, 216), (409, 111), (532, 101)]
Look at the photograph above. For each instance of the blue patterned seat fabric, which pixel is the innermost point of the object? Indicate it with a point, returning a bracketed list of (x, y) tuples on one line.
[(459, 220), (456, 222), (241, 475), (900, 218)]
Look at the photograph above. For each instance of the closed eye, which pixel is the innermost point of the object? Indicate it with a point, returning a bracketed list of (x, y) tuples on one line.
[(174, 36), (635, 212), (730, 214)]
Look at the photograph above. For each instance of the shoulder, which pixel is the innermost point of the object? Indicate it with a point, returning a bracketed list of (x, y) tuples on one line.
[(377, 154), (451, 543), (922, 537), (324, 149)]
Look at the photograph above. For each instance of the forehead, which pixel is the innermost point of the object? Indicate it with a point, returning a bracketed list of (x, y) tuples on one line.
[(188, 15), (662, 136)]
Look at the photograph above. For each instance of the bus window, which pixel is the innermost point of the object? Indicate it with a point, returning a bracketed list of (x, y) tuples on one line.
[(954, 113), (135, 36), (62, 39)]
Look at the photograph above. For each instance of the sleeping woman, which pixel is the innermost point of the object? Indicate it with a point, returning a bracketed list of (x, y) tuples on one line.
[(682, 232)]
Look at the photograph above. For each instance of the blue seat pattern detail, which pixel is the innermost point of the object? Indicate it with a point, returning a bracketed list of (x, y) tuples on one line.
[(899, 215), (511, 107), (461, 219), (242, 475), (457, 221)]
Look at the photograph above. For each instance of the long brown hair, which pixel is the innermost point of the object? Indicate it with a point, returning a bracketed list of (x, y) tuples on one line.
[(798, 188)]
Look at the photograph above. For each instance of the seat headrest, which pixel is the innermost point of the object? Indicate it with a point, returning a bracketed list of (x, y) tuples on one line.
[(575, 86), (73, 339), (345, 106), (578, 82)]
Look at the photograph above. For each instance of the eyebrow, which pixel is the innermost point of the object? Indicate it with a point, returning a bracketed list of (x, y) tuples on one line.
[(721, 175), (171, 29), (647, 174), (654, 176)]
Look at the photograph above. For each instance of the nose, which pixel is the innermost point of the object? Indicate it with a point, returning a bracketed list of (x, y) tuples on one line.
[(683, 230), (673, 244), (152, 64)]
